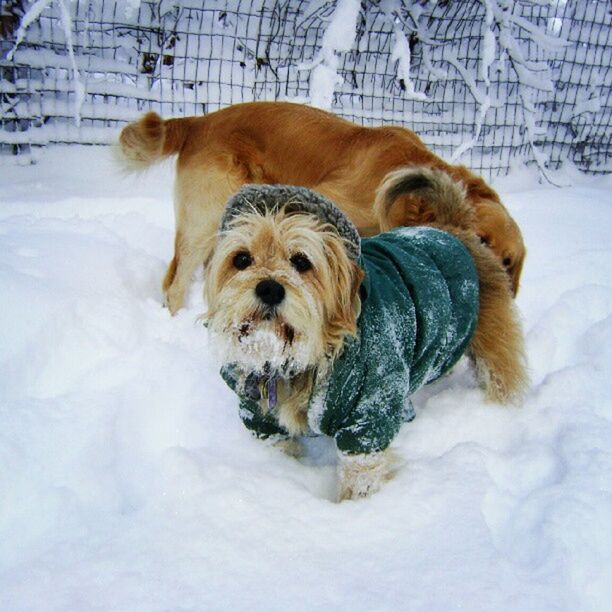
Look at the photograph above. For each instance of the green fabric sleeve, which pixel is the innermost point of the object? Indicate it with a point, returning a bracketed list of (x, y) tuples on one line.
[(378, 415), (366, 410), (262, 425)]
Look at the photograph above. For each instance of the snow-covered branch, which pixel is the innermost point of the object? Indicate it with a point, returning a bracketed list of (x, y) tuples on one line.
[(401, 54), (31, 16), (339, 37), (465, 75)]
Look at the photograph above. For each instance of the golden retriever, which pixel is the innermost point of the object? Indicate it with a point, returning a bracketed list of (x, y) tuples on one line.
[(283, 142)]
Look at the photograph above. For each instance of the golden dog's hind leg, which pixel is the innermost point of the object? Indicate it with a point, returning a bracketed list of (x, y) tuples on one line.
[(201, 194), (170, 272)]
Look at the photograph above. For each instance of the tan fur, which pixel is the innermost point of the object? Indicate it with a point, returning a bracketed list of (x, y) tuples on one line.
[(322, 306), (293, 398), (281, 142), (291, 447), (360, 476), (422, 195), (497, 347)]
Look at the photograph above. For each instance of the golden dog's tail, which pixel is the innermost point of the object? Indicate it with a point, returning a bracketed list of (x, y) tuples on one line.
[(150, 139), (421, 196)]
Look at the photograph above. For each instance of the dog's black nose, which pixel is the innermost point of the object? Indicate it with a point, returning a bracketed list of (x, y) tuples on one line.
[(270, 292)]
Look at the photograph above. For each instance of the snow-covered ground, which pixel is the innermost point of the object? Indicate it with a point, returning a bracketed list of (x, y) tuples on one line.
[(128, 482)]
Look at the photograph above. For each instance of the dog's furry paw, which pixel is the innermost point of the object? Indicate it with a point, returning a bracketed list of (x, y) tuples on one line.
[(172, 302), (360, 476), (291, 447)]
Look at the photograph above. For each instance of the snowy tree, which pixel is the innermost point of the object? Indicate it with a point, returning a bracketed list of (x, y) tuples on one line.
[(484, 82)]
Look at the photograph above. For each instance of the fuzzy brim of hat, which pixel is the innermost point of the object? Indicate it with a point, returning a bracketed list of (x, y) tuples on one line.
[(273, 198)]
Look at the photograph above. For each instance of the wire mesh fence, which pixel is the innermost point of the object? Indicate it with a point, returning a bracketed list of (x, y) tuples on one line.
[(487, 83)]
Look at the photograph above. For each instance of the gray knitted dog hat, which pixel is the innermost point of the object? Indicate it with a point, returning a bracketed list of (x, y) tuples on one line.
[(272, 198)]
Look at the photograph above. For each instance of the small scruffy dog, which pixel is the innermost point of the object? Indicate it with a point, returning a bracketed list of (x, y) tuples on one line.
[(322, 332)]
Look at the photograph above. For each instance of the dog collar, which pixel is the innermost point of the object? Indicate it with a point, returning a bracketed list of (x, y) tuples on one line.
[(259, 386)]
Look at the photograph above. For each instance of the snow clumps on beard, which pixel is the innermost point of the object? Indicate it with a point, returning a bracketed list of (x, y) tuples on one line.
[(267, 345)]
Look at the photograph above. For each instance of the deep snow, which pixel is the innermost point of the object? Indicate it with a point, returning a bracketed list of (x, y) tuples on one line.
[(128, 482)]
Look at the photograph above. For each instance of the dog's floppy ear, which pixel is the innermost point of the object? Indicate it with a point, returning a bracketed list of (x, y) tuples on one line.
[(345, 301)]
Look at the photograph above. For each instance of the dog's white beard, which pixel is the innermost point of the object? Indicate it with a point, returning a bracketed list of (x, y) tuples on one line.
[(290, 341), (261, 348)]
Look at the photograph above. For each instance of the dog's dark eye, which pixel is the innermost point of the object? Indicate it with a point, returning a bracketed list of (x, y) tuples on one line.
[(485, 240), (300, 262), (242, 260), (507, 262)]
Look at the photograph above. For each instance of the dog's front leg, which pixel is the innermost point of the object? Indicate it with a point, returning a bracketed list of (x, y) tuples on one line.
[(290, 446), (363, 474), (200, 195)]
